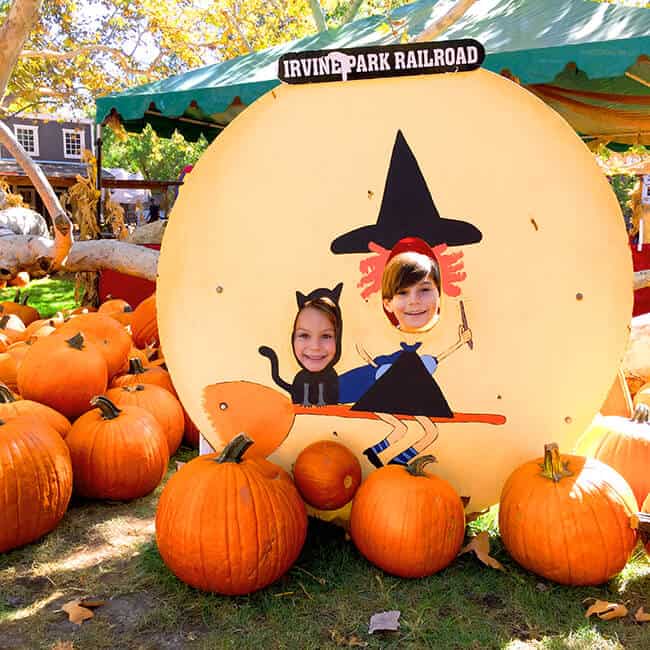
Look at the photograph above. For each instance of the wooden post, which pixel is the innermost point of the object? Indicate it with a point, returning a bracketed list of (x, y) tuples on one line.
[(98, 144)]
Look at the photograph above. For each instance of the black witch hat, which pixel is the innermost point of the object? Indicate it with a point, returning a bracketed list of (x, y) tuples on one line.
[(407, 210)]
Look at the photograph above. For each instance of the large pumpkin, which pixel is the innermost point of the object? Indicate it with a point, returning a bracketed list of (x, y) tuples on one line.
[(327, 474), (112, 340), (568, 518), (407, 522), (10, 408), (35, 480), (157, 401), (64, 373), (144, 324), (230, 525), (117, 454), (624, 444)]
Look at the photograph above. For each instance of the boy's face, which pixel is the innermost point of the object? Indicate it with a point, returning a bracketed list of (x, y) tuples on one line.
[(314, 340), (416, 306)]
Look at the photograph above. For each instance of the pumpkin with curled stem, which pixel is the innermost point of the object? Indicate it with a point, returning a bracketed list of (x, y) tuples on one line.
[(157, 401), (117, 454), (406, 521), (327, 474), (568, 518), (35, 480), (229, 524), (64, 373)]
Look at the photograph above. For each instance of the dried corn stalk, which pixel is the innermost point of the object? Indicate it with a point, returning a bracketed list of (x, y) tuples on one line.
[(8, 199)]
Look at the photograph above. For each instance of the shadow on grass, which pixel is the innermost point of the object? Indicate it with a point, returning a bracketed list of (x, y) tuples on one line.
[(48, 295)]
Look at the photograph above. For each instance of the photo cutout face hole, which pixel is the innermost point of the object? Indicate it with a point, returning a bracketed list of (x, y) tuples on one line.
[(410, 287)]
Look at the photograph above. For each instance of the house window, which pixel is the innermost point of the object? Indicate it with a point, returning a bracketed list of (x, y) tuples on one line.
[(73, 143), (27, 136)]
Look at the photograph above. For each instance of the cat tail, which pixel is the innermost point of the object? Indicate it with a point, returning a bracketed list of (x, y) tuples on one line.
[(275, 367)]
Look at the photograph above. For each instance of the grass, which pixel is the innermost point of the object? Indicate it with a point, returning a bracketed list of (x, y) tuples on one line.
[(107, 550), (47, 295)]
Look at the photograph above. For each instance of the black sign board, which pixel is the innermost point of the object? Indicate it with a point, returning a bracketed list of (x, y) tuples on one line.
[(380, 61)]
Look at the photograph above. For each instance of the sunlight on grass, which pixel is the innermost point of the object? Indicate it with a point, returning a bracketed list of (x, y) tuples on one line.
[(35, 607), (47, 295), (637, 568)]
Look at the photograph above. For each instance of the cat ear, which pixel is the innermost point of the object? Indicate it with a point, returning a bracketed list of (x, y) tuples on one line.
[(301, 299), (336, 292)]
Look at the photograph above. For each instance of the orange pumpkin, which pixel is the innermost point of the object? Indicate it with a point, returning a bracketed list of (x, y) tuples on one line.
[(191, 432), (407, 522), (568, 518), (117, 454), (624, 444), (35, 481), (12, 327), (327, 474), (157, 401), (20, 308), (21, 280), (109, 336), (63, 373), (10, 361), (11, 408), (144, 324), (230, 525), (138, 374)]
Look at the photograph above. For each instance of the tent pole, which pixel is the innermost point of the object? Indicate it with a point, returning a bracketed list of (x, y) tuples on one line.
[(99, 176)]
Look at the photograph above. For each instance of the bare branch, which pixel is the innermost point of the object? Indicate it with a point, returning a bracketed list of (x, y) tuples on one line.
[(352, 11), (641, 279), (319, 17), (443, 23)]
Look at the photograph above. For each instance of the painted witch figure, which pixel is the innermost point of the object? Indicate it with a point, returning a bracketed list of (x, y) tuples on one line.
[(408, 227)]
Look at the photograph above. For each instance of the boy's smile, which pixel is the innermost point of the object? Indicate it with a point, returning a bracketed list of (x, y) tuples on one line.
[(314, 340), (416, 306)]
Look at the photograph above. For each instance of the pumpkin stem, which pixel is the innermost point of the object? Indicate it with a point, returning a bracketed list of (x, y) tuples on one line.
[(24, 298), (644, 525), (108, 409), (641, 414), (77, 341), (416, 468), (6, 396), (135, 366), (133, 389), (235, 449), (3, 321), (554, 467), (17, 297)]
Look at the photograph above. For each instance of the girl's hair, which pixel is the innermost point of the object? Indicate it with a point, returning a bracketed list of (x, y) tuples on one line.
[(405, 270), (327, 307)]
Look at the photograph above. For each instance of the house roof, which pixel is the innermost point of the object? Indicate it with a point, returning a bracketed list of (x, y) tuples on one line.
[(52, 170)]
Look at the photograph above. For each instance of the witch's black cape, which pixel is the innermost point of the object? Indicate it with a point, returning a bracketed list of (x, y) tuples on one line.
[(407, 388)]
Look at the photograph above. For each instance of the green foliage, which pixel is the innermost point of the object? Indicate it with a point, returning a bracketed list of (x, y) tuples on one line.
[(157, 158), (48, 295), (623, 184)]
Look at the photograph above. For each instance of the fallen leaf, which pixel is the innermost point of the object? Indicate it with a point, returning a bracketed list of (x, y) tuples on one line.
[(350, 641), (382, 621), (76, 613), (641, 616), (62, 645), (91, 602), (481, 547), (606, 611)]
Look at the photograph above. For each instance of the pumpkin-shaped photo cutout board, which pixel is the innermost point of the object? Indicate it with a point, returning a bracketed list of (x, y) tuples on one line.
[(309, 196)]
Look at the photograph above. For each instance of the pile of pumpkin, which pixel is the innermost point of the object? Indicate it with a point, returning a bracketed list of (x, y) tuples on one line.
[(85, 405), (234, 522)]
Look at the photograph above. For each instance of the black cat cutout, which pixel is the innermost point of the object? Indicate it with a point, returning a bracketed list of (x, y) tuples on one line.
[(312, 388)]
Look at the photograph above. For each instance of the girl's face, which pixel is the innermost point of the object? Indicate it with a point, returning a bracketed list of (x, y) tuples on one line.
[(314, 339), (416, 306)]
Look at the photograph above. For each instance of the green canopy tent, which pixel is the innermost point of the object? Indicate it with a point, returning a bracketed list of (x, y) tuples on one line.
[(588, 60)]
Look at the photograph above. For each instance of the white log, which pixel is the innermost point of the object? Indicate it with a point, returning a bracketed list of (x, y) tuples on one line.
[(641, 279), (33, 254)]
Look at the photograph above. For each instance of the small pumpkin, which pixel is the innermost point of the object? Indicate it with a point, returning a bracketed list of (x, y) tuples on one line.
[(35, 480), (118, 309), (10, 408), (63, 373), (10, 361), (138, 374), (407, 522), (21, 280), (117, 454), (229, 524), (12, 327), (157, 401), (327, 474), (144, 324), (624, 444), (568, 518), (112, 340), (20, 308)]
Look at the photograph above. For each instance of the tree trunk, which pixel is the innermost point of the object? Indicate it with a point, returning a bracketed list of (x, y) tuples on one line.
[(317, 13), (444, 22), (22, 16), (33, 254)]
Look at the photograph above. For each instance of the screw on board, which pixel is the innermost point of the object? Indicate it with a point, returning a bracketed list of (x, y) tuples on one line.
[(219, 289)]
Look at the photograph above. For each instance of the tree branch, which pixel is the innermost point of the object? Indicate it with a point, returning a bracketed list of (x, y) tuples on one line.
[(443, 23), (352, 11), (641, 279), (319, 16), (32, 254), (60, 220)]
